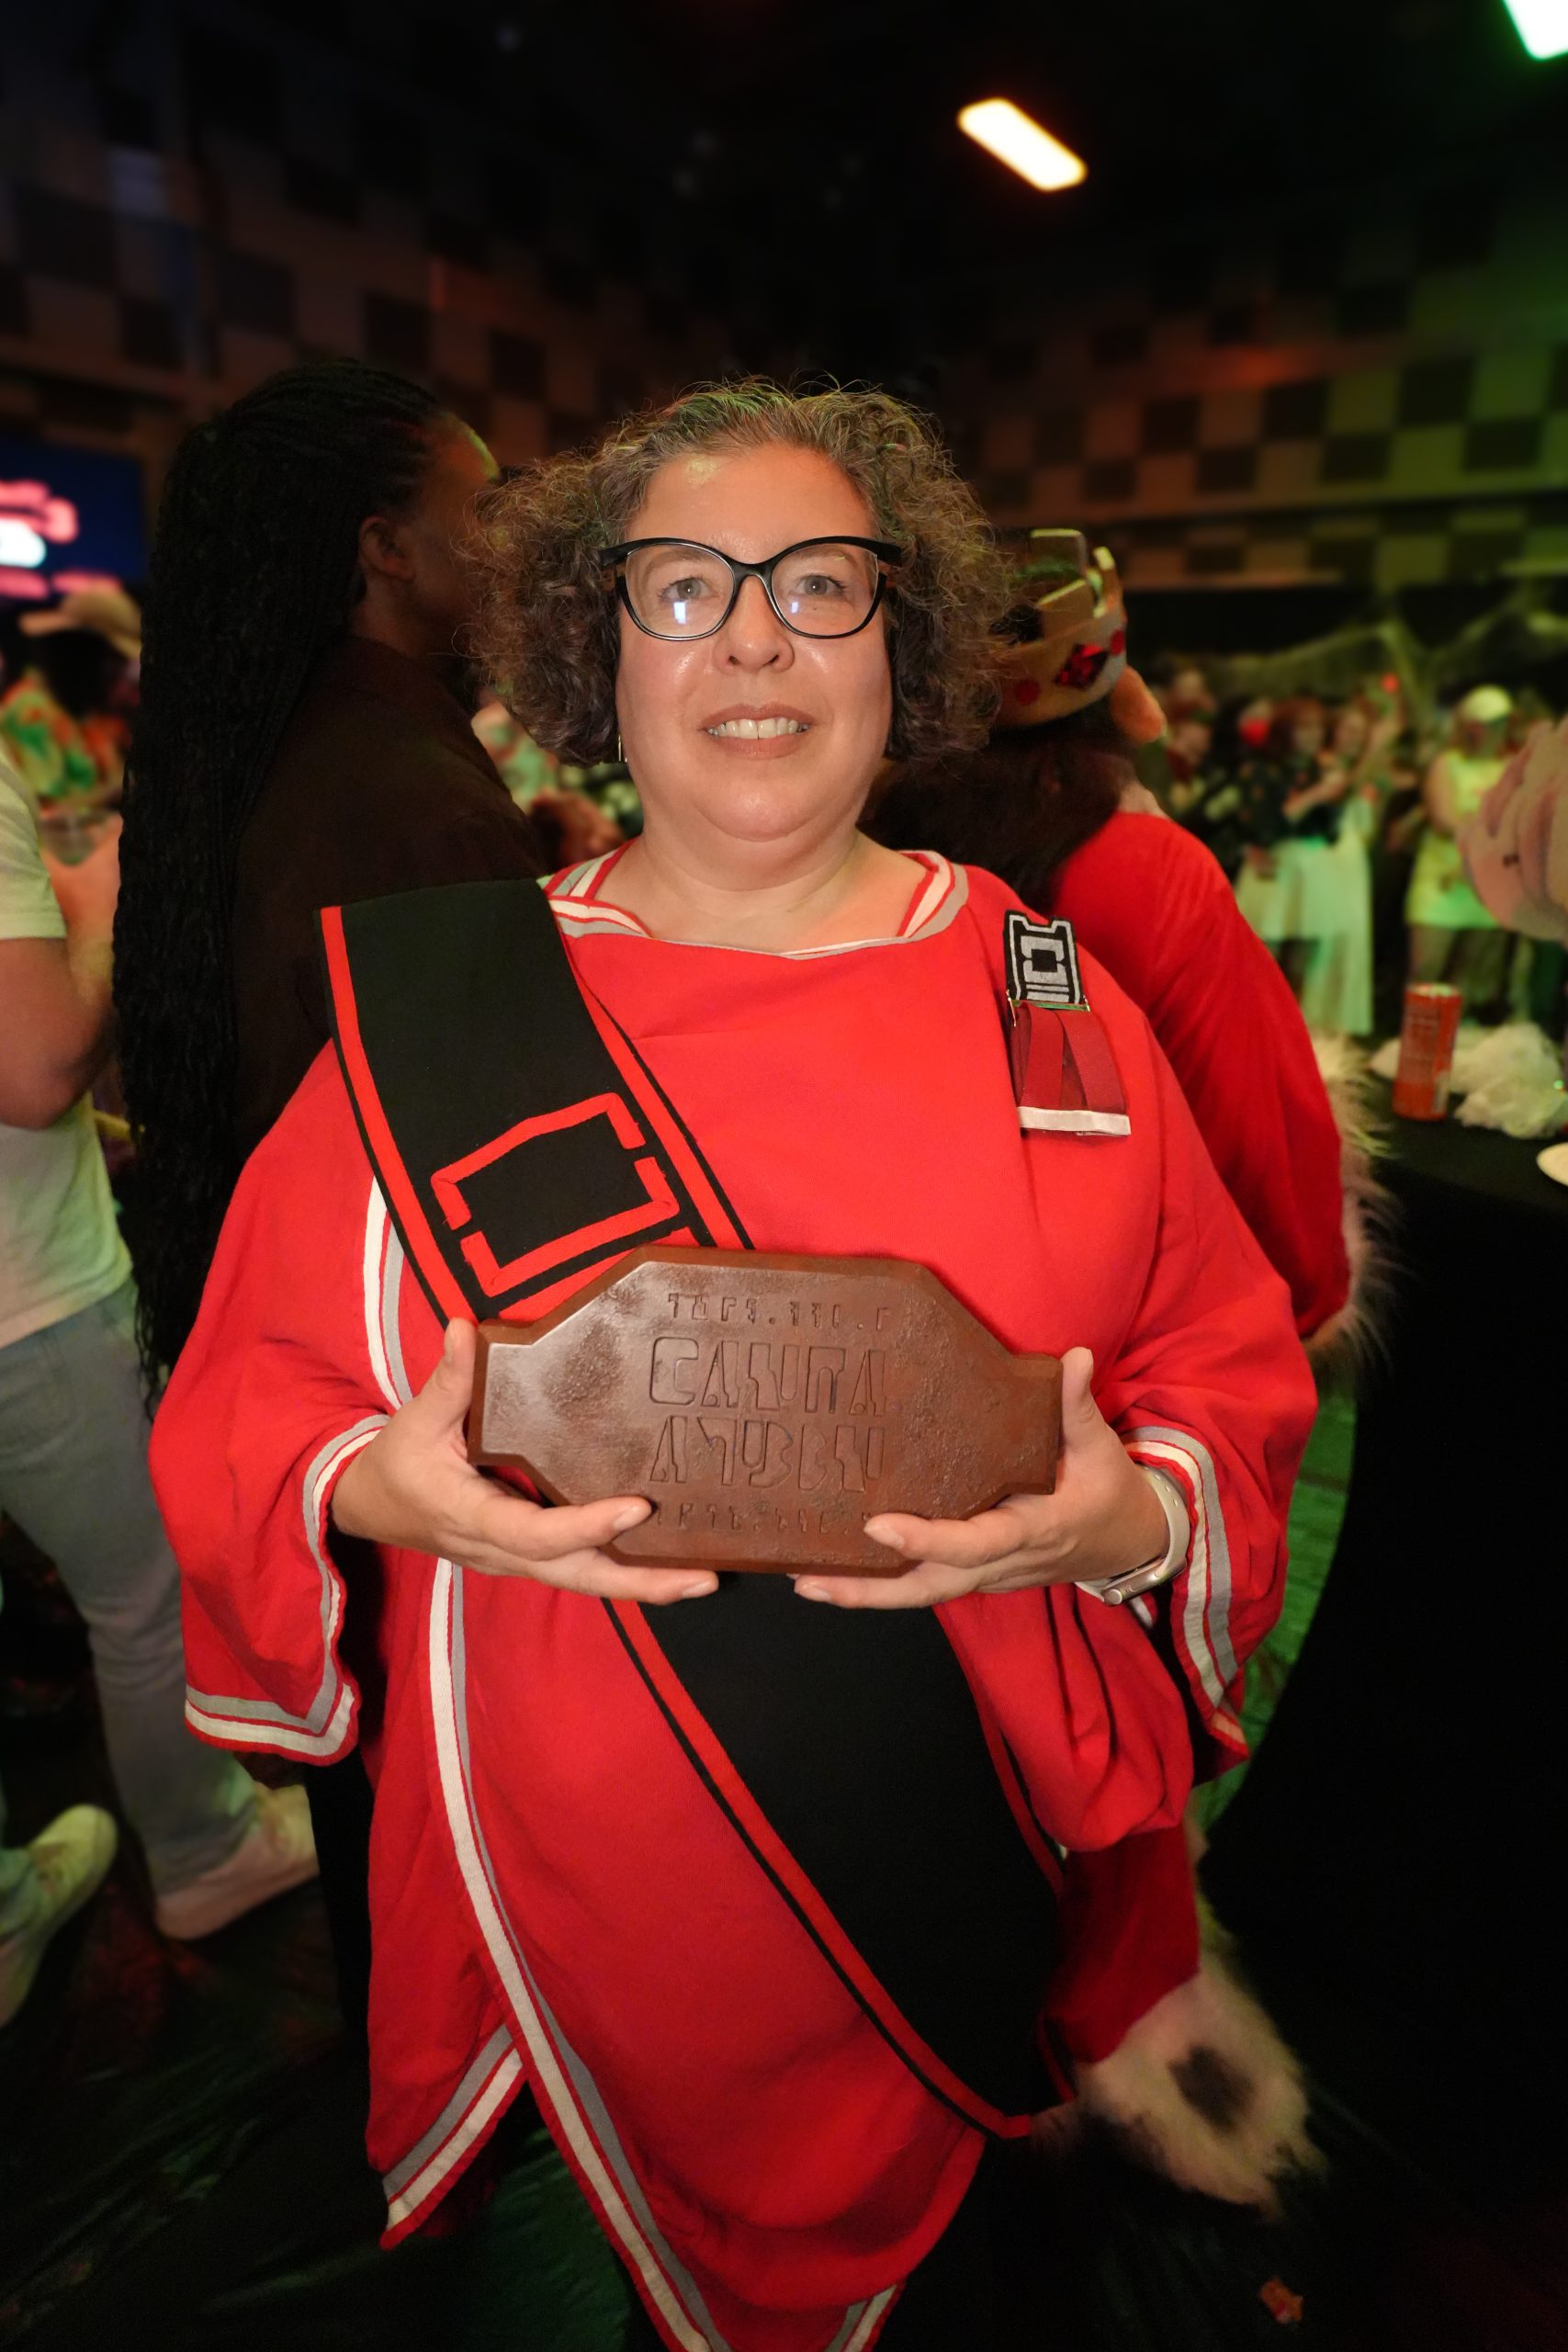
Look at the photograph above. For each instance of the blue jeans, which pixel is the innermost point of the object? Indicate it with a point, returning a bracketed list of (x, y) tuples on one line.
[(73, 1476)]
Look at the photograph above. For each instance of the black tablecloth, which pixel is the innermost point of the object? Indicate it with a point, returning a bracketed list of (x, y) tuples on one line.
[(1452, 1164), (1404, 1827)]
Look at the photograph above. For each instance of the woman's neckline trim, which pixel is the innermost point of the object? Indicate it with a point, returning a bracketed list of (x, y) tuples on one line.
[(581, 913)]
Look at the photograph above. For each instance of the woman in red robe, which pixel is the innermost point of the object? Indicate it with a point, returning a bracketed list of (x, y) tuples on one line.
[(786, 1901), (1052, 804)]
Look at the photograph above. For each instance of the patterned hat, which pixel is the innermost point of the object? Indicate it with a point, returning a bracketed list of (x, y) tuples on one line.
[(1081, 649)]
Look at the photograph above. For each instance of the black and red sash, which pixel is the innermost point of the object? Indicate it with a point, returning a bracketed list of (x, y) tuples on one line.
[(521, 1143)]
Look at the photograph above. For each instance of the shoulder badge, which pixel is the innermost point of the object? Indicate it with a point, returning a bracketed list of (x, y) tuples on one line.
[(1063, 1073), (1042, 961)]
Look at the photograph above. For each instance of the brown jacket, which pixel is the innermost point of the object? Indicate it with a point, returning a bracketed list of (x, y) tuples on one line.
[(380, 784)]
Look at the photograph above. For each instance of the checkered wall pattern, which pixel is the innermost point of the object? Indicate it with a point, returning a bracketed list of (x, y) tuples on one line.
[(301, 218), (1389, 408), (1379, 394)]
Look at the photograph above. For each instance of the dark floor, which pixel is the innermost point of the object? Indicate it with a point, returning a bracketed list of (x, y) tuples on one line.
[(180, 2167)]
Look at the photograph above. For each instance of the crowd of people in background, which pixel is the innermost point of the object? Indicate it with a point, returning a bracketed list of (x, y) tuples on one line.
[(1336, 822)]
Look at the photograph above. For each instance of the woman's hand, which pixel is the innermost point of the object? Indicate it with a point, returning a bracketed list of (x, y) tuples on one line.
[(1103, 1521), (1262, 861), (1331, 787), (413, 1486)]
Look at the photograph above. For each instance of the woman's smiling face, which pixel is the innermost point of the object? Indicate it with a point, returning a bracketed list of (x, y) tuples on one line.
[(689, 713)]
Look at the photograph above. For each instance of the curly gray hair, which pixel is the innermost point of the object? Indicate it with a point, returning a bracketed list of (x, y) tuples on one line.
[(548, 632)]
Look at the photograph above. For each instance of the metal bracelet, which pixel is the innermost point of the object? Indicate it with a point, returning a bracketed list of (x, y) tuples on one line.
[(1113, 1591)]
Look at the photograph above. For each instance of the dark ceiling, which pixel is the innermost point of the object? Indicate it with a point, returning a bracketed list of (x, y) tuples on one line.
[(801, 161), (806, 151)]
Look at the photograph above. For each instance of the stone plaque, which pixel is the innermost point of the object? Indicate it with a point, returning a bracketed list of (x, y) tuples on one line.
[(766, 1406)]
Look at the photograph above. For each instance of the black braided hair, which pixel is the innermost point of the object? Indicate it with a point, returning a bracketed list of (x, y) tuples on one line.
[(255, 572)]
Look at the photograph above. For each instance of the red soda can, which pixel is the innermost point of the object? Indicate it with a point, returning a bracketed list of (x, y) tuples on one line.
[(1427, 1050)]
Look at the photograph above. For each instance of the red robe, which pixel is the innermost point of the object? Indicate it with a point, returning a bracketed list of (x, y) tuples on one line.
[(1154, 907), (555, 1898)]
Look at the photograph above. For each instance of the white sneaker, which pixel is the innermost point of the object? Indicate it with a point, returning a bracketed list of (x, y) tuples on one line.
[(71, 1861), (278, 1852)]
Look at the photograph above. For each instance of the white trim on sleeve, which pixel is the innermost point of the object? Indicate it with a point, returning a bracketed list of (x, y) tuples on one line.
[(261, 1723), (1202, 1624)]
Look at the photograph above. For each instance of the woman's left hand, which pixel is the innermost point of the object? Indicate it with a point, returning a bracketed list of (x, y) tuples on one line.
[(1103, 1521)]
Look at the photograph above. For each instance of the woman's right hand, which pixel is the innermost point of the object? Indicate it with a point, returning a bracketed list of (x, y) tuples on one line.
[(413, 1487)]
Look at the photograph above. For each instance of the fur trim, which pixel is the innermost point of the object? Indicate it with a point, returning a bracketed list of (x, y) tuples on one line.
[(1340, 1350), (1202, 2089)]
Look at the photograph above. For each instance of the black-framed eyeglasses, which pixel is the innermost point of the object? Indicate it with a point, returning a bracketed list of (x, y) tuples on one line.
[(681, 589)]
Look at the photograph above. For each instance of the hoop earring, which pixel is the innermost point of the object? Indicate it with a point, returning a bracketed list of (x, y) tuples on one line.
[(620, 755)]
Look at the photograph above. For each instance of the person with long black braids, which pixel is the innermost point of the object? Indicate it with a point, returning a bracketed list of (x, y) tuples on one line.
[(303, 741), (303, 738)]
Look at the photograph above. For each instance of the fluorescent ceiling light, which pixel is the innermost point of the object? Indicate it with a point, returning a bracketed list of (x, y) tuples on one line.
[(1018, 141), (1542, 24)]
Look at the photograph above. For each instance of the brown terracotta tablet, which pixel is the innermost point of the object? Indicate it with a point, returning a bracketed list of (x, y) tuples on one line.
[(766, 1406)]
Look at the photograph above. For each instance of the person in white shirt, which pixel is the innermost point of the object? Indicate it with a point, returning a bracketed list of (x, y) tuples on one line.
[(74, 1443)]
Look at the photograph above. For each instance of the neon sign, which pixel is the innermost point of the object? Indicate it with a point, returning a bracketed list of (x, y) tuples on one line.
[(69, 518), (30, 518), (19, 543)]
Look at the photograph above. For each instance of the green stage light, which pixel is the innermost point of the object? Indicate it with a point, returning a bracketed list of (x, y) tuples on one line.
[(1542, 25)]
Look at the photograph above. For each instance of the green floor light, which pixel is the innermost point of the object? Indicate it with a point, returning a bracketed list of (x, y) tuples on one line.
[(1542, 24)]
